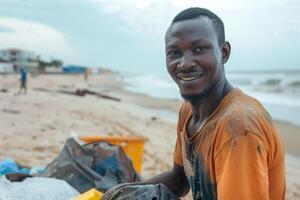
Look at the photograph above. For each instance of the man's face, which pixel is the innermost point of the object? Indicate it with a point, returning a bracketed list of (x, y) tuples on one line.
[(193, 57)]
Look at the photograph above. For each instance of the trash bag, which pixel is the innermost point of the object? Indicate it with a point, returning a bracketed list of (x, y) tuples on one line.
[(36, 189), (96, 165), (140, 192)]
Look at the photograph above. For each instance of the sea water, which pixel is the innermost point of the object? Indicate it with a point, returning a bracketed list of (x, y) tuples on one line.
[(279, 91)]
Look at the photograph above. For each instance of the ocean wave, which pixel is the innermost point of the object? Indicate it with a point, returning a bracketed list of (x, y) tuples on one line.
[(277, 82), (279, 93)]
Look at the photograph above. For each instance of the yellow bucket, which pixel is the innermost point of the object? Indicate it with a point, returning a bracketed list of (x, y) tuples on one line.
[(132, 145)]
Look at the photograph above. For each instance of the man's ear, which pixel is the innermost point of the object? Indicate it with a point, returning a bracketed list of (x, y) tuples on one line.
[(226, 49)]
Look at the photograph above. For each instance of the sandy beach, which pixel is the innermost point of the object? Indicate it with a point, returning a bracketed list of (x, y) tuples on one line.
[(35, 126)]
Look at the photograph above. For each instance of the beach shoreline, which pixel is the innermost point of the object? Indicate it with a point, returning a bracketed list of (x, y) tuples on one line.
[(35, 126)]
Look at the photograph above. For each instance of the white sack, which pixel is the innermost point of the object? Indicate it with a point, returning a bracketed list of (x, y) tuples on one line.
[(36, 189)]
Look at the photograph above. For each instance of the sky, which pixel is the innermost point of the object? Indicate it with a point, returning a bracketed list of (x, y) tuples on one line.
[(128, 35)]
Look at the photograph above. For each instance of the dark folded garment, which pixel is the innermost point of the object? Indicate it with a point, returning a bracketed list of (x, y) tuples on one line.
[(140, 192)]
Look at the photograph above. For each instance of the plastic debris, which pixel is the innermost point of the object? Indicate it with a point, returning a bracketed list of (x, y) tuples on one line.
[(97, 165), (8, 166), (92, 194)]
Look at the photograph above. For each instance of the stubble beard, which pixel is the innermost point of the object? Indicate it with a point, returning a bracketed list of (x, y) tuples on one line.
[(197, 97)]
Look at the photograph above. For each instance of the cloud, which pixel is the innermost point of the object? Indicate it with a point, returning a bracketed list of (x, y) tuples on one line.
[(243, 18), (254, 27), (32, 36)]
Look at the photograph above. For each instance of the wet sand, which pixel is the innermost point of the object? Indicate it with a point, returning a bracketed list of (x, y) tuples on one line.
[(35, 126)]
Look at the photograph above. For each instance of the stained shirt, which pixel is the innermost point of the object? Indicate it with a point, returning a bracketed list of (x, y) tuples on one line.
[(237, 153)]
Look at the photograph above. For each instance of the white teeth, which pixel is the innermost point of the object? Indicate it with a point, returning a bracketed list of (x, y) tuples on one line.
[(188, 78)]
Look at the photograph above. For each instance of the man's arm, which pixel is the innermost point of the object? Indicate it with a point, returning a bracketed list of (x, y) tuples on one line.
[(175, 180)]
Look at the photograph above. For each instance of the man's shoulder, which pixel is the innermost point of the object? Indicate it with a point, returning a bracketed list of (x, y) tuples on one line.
[(244, 105), (244, 113)]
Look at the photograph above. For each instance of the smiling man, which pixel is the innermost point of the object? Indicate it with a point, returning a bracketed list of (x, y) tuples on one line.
[(227, 147), (227, 144)]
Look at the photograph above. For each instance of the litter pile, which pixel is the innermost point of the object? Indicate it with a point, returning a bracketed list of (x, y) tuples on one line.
[(89, 169), (77, 169)]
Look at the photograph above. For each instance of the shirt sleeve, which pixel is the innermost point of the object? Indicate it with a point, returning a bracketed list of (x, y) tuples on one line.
[(177, 154), (242, 169)]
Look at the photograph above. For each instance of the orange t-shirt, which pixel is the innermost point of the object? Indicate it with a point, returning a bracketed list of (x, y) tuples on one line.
[(236, 155)]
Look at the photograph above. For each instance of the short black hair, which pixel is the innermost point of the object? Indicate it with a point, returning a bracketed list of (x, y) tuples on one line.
[(196, 12)]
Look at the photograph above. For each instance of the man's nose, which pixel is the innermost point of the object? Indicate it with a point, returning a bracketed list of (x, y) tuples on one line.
[(186, 61)]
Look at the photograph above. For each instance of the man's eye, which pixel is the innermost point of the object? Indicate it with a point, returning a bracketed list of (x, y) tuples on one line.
[(201, 49), (173, 53)]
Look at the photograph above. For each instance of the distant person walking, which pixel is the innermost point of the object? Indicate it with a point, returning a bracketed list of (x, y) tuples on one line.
[(23, 80), (86, 74)]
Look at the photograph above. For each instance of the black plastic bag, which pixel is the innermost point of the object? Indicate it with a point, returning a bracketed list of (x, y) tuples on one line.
[(96, 165)]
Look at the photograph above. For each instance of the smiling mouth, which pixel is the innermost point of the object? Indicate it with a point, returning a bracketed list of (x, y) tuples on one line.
[(190, 76)]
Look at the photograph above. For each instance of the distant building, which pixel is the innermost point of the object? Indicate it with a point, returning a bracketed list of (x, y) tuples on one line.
[(49, 65), (6, 67), (20, 58), (74, 69), (103, 71)]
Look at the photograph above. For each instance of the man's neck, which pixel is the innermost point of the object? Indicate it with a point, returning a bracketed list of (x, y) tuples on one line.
[(205, 106)]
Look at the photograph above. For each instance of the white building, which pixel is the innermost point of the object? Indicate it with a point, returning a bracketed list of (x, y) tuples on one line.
[(6, 67), (20, 58)]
